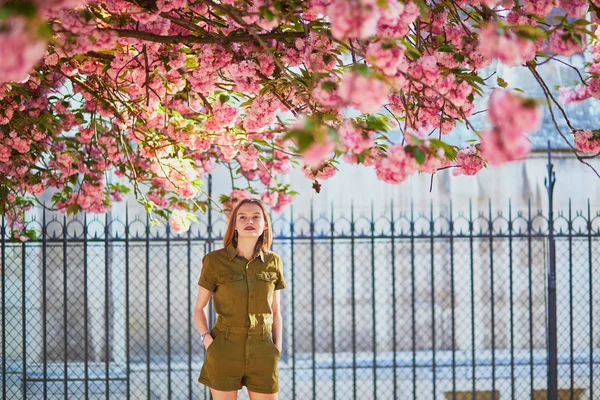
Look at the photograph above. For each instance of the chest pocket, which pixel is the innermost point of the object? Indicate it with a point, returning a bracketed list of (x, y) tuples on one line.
[(232, 286), (265, 284)]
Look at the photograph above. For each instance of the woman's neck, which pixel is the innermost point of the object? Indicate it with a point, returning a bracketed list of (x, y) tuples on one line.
[(246, 248)]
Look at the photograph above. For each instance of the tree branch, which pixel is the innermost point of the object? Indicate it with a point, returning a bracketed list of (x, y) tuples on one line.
[(151, 37)]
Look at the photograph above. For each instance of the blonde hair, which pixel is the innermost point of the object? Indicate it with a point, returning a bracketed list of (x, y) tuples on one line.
[(264, 240)]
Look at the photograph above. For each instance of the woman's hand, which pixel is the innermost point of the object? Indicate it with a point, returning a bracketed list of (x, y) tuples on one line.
[(208, 339)]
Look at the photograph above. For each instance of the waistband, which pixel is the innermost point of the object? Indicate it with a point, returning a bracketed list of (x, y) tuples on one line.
[(263, 330)]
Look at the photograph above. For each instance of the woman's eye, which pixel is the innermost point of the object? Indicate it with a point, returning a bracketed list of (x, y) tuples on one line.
[(242, 217)]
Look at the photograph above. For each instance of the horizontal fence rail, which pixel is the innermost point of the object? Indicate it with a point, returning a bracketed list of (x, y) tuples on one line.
[(435, 304)]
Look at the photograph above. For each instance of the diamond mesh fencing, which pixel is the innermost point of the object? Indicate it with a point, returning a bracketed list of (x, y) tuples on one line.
[(415, 305)]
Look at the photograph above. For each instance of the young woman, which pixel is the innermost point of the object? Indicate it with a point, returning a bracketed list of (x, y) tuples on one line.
[(244, 346)]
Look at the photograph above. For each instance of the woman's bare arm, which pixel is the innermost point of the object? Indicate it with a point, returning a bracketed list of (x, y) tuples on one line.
[(277, 322), (201, 314)]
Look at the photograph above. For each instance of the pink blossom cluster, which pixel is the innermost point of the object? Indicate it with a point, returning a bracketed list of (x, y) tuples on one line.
[(512, 119), (322, 173), (507, 47), (355, 139), (587, 141), (361, 19), (276, 199), (20, 49), (176, 175), (363, 92), (468, 161), (565, 43), (397, 165), (574, 95), (179, 221)]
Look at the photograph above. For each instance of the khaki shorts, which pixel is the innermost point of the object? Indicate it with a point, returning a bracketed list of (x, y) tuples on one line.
[(241, 356)]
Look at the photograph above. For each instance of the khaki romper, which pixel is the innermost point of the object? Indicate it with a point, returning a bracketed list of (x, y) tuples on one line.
[(243, 352)]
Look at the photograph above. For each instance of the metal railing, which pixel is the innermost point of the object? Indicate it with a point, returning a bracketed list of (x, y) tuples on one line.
[(407, 304)]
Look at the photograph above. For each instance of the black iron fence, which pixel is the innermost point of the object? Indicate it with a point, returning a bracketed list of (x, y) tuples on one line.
[(396, 304)]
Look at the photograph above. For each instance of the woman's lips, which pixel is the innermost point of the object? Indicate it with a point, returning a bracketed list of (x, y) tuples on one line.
[(249, 229)]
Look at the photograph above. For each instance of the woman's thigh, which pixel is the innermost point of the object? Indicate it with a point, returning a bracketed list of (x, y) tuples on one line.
[(262, 396), (220, 395)]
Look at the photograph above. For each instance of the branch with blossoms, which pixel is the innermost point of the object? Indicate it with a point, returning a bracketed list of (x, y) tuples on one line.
[(98, 96)]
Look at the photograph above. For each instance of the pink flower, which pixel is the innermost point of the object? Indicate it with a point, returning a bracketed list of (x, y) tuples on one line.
[(468, 162), (362, 92), (283, 200), (587, 142), (354, 138), (508, 48), (170, 5), (318, 152), (575, 8), (179, 221), (157, 199), (576, 94), (19, 50), (538, 7), (563, 42), (387, 58), (396, 166), (497, 147), (512, 114), (353, 19), (270, 198)]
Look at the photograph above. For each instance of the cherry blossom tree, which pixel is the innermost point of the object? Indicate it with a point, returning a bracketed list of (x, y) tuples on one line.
[(100, 97)]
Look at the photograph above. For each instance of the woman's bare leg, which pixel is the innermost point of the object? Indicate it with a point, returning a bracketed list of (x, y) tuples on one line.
[(220, 395), (262, 396)]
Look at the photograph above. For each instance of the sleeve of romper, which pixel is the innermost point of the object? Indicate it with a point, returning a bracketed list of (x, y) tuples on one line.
[(280, 284), (207, 278)]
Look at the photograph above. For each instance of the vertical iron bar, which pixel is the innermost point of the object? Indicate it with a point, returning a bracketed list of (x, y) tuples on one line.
[(147, 305), (332, 243), (352, 267), (412, 301), (65, 366), (3, 248), (127, 332), (452, 305), (492, 294), (24, 317), (293, 303), (392, 232), (549, 182), (510, 296), (374, 337), (590, 288), (432, 266), (190, 311), (530, 284), (571, 344), (44, 302), (312, 300), (168, 310), (472, 275), (106, 306), (85, 306)]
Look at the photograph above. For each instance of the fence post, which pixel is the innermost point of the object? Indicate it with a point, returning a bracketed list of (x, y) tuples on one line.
[(549, 182)]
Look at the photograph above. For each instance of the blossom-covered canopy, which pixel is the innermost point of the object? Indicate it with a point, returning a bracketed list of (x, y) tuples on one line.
[(157, 92)]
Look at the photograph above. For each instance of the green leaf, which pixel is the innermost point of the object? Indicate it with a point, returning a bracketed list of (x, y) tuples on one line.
[(501, 82), (419, 155), (362, 69)]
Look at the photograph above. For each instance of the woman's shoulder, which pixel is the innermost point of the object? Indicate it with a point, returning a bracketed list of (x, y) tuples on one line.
[(215, 254), (272, 256)]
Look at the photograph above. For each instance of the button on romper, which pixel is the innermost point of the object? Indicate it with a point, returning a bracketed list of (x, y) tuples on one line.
[(243, 352)]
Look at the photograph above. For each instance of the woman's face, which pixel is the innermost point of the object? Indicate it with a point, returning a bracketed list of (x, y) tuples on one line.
[(250, 221)]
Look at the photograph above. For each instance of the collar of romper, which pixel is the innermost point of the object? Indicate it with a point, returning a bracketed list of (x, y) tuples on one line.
[(232, 252)]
